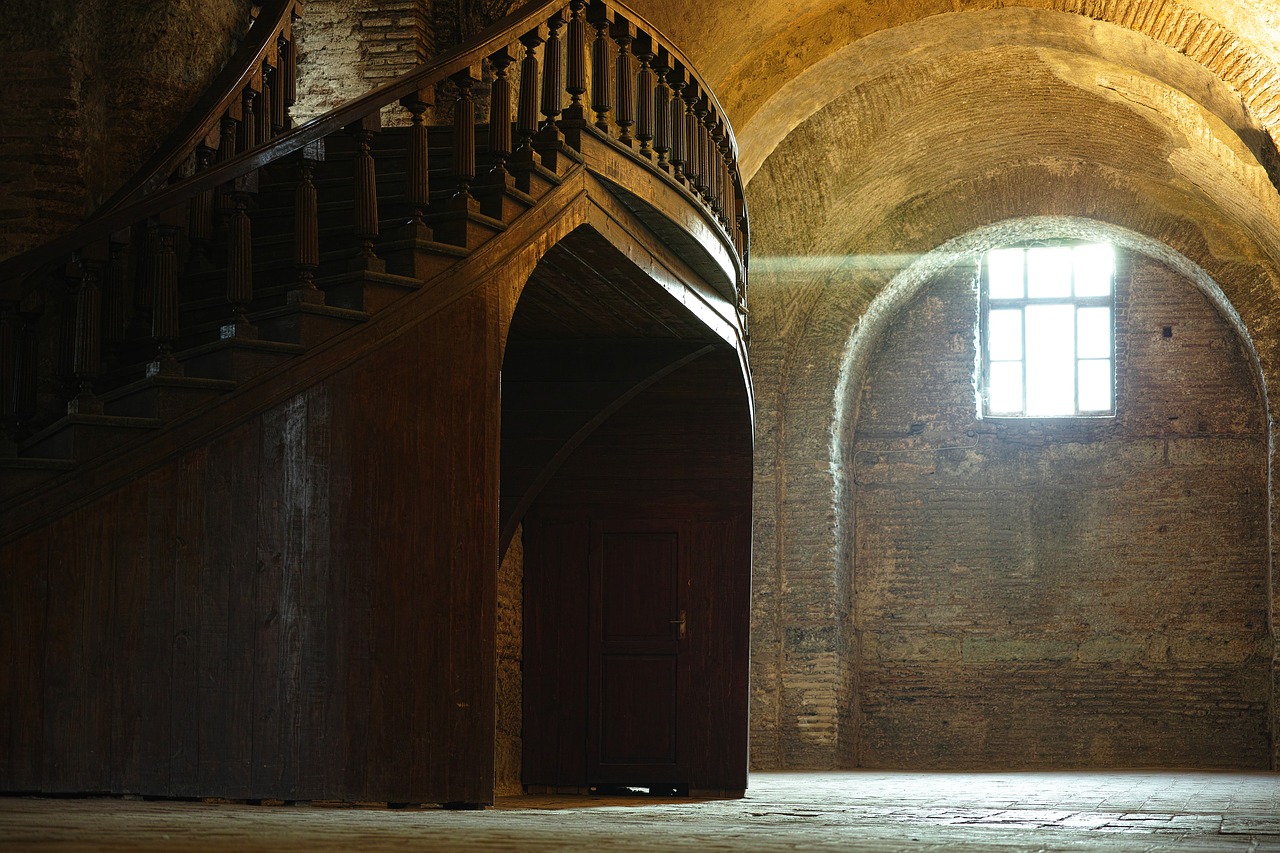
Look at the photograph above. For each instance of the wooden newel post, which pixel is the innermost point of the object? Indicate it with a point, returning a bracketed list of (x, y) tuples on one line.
[(163, 240), (624, 81), (644, 95), (88, 334), (417, 174), (464, 140), (365, 201), (240, 258), (306, 227)]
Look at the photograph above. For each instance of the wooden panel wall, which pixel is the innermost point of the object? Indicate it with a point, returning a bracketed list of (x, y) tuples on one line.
[(679, 450), (301, 609)]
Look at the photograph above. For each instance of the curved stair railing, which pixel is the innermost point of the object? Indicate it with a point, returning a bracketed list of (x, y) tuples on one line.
[(168, 298), (245, 107)]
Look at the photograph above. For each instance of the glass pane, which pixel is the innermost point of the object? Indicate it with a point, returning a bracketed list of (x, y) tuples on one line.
[(1049, 272), (1004, 335), (1004, 274), (1051, 361), (1095, 385), (1093, 333), (1095, 265), (1005, 388)]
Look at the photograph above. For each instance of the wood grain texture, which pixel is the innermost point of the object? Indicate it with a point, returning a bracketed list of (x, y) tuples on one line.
[(679, 455)]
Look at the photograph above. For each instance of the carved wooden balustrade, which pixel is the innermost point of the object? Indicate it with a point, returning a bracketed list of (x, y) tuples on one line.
[(246, 240)]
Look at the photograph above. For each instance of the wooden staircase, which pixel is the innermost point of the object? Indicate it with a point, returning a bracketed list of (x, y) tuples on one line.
[(266, 241), (293, 308), (252, 411)]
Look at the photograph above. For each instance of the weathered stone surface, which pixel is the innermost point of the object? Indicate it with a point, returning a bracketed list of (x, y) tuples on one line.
[(510, 645), (1070, 593)]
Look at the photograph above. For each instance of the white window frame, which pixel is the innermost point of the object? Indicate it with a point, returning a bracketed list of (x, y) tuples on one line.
[(987, 304)]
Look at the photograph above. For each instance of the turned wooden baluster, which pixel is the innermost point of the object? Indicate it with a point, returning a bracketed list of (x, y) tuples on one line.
[(228, 133), (25, 373), (679, 137), (500, 118), (65, 360), (248, 132), (624, 81), (262, 108), (162, 243), (713, 163), (87, 356), (306, 227), (144, 284), (287, 75), (690, 97), (699, 145), (365, 226), (644, 95), (662, 111), (114, 298), (549, 136), (527, 105), (726, 180), (575, 63), (8, 368), (601, 98), (417, 176), (239, 294), (464, 140), (200, 219), (278, 105)]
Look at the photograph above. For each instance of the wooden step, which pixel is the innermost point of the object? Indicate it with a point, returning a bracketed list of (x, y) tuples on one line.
[(19, 474), (306, 323), (365, 290), (236, 358), (82, 437), (164, 396)]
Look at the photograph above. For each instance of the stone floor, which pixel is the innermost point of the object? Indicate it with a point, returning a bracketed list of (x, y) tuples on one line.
[(854, 811)]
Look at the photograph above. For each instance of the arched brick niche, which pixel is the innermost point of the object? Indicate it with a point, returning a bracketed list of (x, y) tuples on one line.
[(1065, 592)]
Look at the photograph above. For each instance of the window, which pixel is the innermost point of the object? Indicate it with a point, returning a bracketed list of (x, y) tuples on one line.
[(1046, 331)]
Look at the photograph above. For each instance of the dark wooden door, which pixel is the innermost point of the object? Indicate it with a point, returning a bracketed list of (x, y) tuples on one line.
[(638, 682)]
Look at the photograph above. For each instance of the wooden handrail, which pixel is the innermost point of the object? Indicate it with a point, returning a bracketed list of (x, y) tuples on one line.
[(274, 20), (502, 34)]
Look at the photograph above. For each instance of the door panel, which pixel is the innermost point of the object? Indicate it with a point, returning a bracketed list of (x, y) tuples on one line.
[(638, 709), (637, 682)]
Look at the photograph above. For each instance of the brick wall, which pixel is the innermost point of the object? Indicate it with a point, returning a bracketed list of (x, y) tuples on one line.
[(347, 48), (1069, 593), (93, 88), (508, 743)]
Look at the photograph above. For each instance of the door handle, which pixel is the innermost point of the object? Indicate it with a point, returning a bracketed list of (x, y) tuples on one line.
[(681, 623)]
